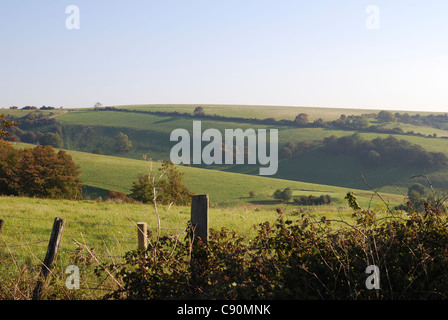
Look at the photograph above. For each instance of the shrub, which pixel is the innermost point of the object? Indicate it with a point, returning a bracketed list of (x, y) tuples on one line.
[(284, 195), (122, 143), (312, 200), (118, 196), (51, 139), (168, 187)]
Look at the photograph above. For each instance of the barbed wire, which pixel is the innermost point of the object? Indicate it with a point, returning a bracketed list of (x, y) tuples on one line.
[(22, 244), (89, 223), (91, 237)]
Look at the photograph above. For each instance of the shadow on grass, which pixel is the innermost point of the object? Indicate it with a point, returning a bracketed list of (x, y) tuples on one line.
[(166, 120), (267, 202)]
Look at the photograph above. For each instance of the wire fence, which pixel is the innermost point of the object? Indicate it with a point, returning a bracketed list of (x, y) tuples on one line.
[(24, 241)]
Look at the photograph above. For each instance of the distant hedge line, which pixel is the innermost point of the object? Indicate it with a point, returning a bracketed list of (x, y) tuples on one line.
[(351, 122)]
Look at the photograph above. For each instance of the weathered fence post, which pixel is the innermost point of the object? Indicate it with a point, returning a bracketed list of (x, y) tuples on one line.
[(142, 228), (50, 257), (2, 222), (199, 216)]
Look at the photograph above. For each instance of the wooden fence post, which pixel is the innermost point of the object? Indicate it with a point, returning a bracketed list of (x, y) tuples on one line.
[(2, 222), (199, 216), (142, 228), (50, 257)]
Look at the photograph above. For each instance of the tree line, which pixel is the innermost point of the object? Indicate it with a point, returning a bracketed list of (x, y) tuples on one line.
[(38, 128), (373, 152), (286, 195), (350, 122)]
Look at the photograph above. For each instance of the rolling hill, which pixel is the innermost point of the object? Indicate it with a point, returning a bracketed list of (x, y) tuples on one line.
[(90, 130), (101, 173)]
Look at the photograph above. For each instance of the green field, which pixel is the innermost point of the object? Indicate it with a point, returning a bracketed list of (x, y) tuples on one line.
[(116, 173), (150, 135), (108, 230), (166, 124), (261, 112), (229, 186), (87, 130), (101, 233)]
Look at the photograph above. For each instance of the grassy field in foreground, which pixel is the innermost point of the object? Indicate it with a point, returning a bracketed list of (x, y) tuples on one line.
[(110, 228), (105, 231)]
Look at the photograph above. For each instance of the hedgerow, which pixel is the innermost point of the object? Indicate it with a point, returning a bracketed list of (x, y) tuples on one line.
[(307, 258)]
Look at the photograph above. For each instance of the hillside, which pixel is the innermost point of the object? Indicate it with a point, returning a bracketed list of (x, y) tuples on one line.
[(149, 127), (225, 188)]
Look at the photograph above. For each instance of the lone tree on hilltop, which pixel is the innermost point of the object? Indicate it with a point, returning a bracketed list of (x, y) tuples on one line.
[(199, 111), (301, 119)]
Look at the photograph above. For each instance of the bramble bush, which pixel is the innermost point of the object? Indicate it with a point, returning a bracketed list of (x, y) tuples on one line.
[(302, 259)]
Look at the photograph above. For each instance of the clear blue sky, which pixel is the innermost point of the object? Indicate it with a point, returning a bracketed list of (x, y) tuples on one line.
[(260, 52)]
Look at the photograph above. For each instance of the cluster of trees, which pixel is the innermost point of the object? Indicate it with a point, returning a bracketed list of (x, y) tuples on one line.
[(284, 195), (439, 121), (418, 198), (384, 150), (313, 200), (168, 187), (38, 172), (34, 120), (41, 129), (122, 143), (28, 129), (373, 152), (33, 108), (36, 137), (350, 122)]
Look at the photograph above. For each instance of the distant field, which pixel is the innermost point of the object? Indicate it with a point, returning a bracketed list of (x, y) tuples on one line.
[(257, 112), (328, 170), (261, 112), (165, 125), (150, 135), (19, 113)]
